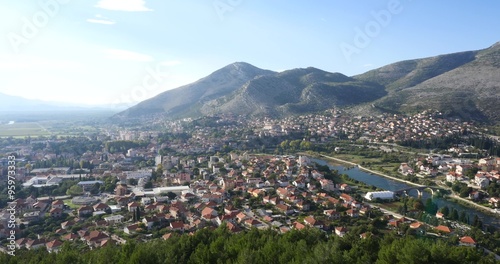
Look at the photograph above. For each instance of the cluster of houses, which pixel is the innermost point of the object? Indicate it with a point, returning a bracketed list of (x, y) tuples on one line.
[(383, 128), (254, 192)]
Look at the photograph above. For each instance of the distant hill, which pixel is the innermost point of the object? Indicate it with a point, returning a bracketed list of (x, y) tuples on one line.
[(241, 88), (187, 100), (295, 91), (16, 104), (464, 85)]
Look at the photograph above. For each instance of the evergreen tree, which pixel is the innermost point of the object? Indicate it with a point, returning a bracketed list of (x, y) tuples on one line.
[(138, 214)]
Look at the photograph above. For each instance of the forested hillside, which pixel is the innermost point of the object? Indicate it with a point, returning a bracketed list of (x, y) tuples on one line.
[(306, 246)]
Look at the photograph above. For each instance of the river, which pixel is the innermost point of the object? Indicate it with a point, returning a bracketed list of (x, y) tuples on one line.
[(393, 185)]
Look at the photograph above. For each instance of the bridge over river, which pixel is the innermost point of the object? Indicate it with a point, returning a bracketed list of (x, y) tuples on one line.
[(419, 190)]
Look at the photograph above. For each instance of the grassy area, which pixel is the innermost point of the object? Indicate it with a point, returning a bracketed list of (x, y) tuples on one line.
[(69, 203), (23, 129), (357, 159)]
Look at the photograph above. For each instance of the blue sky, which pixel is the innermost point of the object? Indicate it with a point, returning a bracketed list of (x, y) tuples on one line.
[(124, 51)]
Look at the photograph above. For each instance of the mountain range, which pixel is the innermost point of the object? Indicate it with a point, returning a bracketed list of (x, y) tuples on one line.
[(464, 85)]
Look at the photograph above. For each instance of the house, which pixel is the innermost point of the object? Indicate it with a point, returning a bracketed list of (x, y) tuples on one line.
[(365, 235), (114, 219), (177, 226), (474, 195), (132, 207), (233, 227), (131, 229), (452, 177), (85, 210), (311, 221), (101, 207), (346, 198), (88, 185), (494, 201), (332, 214), (304, 206), (53, 246), (226, 218), (94, 238), (208, 212), (107, 242), (344, 187), (443, 229), (298, 226), (327, 185), (150, 208), (416, 225), (149, 221), (70, 237), (42, 206), (67, 224), (405, 169), (488, 163), (167, 236), (161, 208), (482, 181), (467, 241), (35, 243), (121, 190), (252, 222), (123, 201), (461, 169), (21, 242), (56, 212), (393, 223), (439, 215), (299, 184), (352, 213), (58, 204), (230, 209), (241, 217), (284, 208), (340, 231)]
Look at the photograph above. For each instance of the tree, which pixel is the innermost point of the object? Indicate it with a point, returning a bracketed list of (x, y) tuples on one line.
[(445, 211), (463, 217), (454, 214), (148, 185), (418, 205), (132, 181), (430, 207), (171, 195), (74, 190), (137, 214)]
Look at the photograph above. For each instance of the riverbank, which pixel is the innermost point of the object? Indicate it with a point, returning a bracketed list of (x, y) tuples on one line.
[(466, 202), (371, 171), (457, 199)]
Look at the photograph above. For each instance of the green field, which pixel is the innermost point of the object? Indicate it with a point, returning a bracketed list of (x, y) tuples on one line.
[(69, 203), (23, 130)]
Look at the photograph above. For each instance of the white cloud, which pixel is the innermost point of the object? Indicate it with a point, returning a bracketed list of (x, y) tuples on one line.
[(99, 19), (367, 65), (124, 5), (127, 55)]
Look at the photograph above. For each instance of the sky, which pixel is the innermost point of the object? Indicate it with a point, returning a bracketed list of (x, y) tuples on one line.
[(102, 52)]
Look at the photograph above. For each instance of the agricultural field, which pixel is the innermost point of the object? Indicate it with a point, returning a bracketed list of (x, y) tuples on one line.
[(23, 129)]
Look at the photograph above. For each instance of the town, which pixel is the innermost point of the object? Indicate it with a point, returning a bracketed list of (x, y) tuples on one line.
[(177, 177)]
